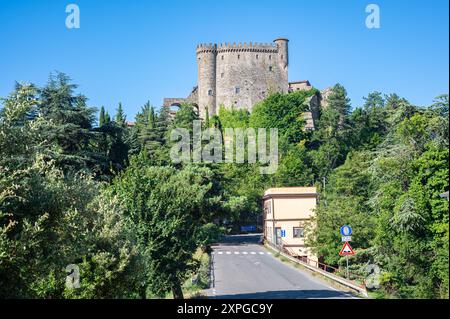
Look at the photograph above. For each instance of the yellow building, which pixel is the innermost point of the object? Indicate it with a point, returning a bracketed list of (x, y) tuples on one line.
[(287, 212)]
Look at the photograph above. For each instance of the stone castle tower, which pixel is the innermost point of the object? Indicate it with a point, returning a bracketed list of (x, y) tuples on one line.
[(240, 75)]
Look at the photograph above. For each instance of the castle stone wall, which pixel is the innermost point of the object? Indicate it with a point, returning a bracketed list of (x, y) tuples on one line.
[(240, 75)]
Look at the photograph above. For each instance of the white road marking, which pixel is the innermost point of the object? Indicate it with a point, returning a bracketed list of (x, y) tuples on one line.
[(241, 252)]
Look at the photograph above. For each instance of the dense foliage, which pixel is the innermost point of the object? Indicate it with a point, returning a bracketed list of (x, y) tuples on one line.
[(105, 196)]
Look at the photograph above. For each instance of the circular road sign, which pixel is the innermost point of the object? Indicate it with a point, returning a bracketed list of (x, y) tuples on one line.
[(346, 230)]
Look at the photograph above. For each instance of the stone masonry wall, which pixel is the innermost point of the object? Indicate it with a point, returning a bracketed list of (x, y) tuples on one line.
[(240, 75)]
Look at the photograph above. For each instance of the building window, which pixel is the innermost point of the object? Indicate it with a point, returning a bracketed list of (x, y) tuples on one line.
[(237, 90), (270, 57), (270, 68), (257, 56), (210, 92), (299, 232), (267, 207), (281, 57), (221, 75), (239, 56), (222, 57)]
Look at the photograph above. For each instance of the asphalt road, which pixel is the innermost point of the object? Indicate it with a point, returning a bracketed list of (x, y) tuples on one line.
[(241, 268)]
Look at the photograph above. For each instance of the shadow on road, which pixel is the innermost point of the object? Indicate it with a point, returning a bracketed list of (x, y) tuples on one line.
[(287, 294)]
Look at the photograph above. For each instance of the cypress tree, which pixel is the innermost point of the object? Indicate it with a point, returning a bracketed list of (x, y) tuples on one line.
[(107, 118), (101, 120), (120, 115)]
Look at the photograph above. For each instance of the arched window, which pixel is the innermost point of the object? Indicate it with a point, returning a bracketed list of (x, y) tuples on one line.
[(239, 56), (210, 92)]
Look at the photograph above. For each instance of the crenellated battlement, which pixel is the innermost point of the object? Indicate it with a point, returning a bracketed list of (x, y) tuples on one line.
[(239, 47), (240, 74)]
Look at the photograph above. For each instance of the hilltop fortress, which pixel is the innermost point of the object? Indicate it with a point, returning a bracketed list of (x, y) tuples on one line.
[(240, 75)]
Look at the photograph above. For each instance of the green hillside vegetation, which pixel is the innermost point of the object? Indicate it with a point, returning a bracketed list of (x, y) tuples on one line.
[(106, 196)]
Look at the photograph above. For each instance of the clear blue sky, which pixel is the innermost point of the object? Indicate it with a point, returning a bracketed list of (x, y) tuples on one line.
[(133, 51)]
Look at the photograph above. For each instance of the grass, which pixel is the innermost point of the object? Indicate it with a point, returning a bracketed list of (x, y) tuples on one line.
[(198, 281)]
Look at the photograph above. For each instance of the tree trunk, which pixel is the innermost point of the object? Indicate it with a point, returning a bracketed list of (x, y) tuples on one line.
[(176, 291), (143, 292)]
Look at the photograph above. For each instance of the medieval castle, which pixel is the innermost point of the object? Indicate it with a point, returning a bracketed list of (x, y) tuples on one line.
[(239, 76)]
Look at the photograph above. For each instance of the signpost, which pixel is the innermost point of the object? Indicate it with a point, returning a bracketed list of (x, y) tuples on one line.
[(346, 230), (346, 250), (283, 233)]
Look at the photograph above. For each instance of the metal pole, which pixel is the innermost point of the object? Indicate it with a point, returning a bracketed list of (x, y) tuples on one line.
[(346, 257)]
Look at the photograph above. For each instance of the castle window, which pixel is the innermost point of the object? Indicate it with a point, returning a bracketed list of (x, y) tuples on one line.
[(222, 57), (270, 57), (210, 92), (257, 56), (237, 89), (281, 57), (270, 68), (239, 56), (221, 75)]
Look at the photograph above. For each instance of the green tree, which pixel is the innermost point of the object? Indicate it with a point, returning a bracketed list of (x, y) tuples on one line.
[(329, 141), (120, 117), (50, 219), (66, 125), (163, 206), (101, 120)]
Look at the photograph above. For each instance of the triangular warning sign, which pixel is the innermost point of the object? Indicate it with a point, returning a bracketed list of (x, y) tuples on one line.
[(346, 250)]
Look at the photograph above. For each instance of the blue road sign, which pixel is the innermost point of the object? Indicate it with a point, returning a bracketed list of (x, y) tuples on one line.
[(283, 233), (346, 230)]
